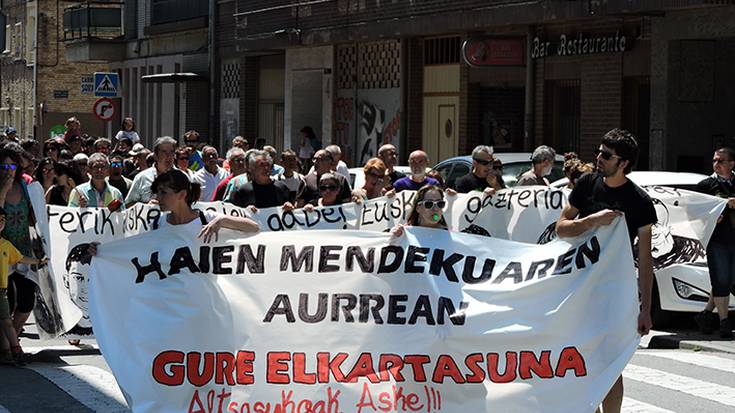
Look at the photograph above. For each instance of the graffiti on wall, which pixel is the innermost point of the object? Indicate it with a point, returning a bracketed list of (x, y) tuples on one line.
[(376, 130)]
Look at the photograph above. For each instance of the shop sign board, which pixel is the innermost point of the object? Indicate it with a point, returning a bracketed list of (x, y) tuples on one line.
[(580, 44)]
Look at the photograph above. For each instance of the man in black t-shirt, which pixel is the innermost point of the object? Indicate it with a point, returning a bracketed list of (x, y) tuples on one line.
[(261, 191), (599, 198), (721, 246), (477, 179)]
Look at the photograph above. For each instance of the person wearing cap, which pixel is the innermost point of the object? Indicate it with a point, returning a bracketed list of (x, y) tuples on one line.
[(97, 192), (11, 134), (139, 157), (82, 162), (164, 149)]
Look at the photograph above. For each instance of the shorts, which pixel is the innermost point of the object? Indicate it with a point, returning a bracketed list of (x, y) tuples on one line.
[(721, 264), (4, 305)]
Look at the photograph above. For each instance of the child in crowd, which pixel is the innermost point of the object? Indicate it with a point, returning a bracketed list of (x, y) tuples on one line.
[(10, 350)]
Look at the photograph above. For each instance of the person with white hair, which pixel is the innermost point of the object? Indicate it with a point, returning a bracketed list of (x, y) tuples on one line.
[(480, 178), (338, 165), (543, 162)]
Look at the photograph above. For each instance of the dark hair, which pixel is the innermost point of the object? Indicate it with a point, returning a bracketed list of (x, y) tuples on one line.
[(729, 152), (38, 174), (12, 150), (413, 216), (116, 156), (2, 212), (309, 132), (70, 169), (28, 143), (177, 181), (625, 146), (122, 124)]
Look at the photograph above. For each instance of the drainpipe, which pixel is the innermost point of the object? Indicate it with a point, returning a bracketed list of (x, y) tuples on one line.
[(212, 74), (530, 93)]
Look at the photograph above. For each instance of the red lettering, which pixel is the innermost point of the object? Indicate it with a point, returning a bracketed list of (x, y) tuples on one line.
[(226, 368), (245, 367), (529, 363), (393, 364), (193, 360), (195, 398), (299, 370), (365, 394), (571, 359), (446, 367), (325, 365), (511, 363), (363, 368), (222, 396), (417, 362), (176, 378), (277, 367), (472, 362)]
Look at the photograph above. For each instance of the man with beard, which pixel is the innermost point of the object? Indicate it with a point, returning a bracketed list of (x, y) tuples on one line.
[(140, 191), (543, 161), (116, 178), (418, 160), (599, 198)]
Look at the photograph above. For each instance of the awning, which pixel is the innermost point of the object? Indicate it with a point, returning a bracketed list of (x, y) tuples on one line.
[(173, 78)]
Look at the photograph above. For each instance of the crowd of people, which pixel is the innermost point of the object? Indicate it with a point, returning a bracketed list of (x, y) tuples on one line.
[(77, 170)]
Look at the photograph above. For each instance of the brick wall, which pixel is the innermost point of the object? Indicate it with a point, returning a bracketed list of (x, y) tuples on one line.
[(601, 99), (415, 101)]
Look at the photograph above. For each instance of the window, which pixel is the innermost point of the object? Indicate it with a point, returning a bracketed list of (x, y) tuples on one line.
[(18, 36), (8, 39), (562, 114), (31, 12)]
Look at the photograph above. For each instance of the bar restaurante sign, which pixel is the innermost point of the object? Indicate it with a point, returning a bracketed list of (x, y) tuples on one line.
[(581, 44)]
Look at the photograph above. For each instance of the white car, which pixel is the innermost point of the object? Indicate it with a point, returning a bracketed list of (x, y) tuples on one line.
[(679, 287)]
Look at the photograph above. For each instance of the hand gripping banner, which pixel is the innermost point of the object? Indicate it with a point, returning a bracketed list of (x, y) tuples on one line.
[(358, 321)]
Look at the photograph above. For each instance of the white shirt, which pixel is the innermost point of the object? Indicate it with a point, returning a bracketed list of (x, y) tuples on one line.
[(140, 191), (209, 181), (341, 169), (194, 227), (132, 135)]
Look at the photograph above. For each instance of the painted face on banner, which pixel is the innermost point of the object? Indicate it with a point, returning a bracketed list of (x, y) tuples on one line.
[(662, 242), (76, 281)]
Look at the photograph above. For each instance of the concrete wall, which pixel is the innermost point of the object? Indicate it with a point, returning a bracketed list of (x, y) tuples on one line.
[(303, 66), (692, 84)]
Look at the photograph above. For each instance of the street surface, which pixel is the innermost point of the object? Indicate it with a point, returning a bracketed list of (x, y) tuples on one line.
[(64, 378)]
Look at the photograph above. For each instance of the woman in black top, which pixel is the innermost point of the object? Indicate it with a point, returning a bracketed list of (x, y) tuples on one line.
[(67, 177)]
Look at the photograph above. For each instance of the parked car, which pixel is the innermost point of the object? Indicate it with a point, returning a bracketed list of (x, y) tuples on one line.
[(514, 165)]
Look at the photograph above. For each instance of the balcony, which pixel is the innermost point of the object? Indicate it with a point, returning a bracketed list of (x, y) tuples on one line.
[(93, 31)]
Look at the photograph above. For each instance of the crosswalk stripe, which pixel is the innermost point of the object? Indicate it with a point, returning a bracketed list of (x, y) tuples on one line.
[(694, 387), (635, 406), (91, 386), (697, 359)]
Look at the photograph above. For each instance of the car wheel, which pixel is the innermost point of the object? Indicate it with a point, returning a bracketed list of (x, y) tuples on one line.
[(661, 318)]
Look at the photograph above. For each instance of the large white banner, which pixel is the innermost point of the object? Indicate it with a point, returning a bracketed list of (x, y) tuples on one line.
[(357, 321), (686, 220)]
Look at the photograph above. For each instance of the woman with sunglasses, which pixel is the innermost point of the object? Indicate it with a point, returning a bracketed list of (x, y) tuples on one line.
[(329, 188), (427, 210), (182, 160), (45, 173), (67, 178), (51, 149), (375, 181)]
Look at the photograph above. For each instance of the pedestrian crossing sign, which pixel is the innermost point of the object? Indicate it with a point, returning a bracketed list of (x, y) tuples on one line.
[(105, 84)]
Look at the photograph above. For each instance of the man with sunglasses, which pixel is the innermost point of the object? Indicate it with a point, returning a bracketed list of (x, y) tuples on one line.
[(543, 162), (418, 160), (599, 198), (116, 178), (721, 247), (479, 178)]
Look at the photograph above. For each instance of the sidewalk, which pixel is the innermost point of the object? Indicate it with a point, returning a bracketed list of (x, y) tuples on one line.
[(692, 340)]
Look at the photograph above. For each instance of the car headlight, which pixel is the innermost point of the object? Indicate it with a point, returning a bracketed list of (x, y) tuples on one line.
[(689, 292)]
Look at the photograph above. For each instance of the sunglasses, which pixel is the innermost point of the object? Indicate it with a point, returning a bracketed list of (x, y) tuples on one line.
[(606, 155), (8, 166), (327, 188), (116, 164), (483, 162), (376, 175), (430, 204), (718, 161)]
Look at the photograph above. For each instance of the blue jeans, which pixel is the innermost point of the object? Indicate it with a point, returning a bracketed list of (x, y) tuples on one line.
[(721, 264)]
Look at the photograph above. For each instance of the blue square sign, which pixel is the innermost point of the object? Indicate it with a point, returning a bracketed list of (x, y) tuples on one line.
[(105, 84)]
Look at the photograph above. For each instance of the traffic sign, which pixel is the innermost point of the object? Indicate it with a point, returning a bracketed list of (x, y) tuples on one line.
[(106, 84), (104, 109)]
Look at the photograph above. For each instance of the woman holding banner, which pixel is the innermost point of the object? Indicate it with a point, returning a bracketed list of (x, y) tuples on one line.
[(427, 210)]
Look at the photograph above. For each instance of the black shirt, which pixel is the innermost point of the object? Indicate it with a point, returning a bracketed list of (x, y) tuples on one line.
[(591, 195), (469, 183), (274, 194), (724, 232)]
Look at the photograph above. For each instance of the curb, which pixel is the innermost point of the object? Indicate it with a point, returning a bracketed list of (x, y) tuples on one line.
[(688, 343), (54, 352)]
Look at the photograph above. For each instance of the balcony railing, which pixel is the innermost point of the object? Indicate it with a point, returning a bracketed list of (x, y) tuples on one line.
[(170, 11), (101, 20)]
